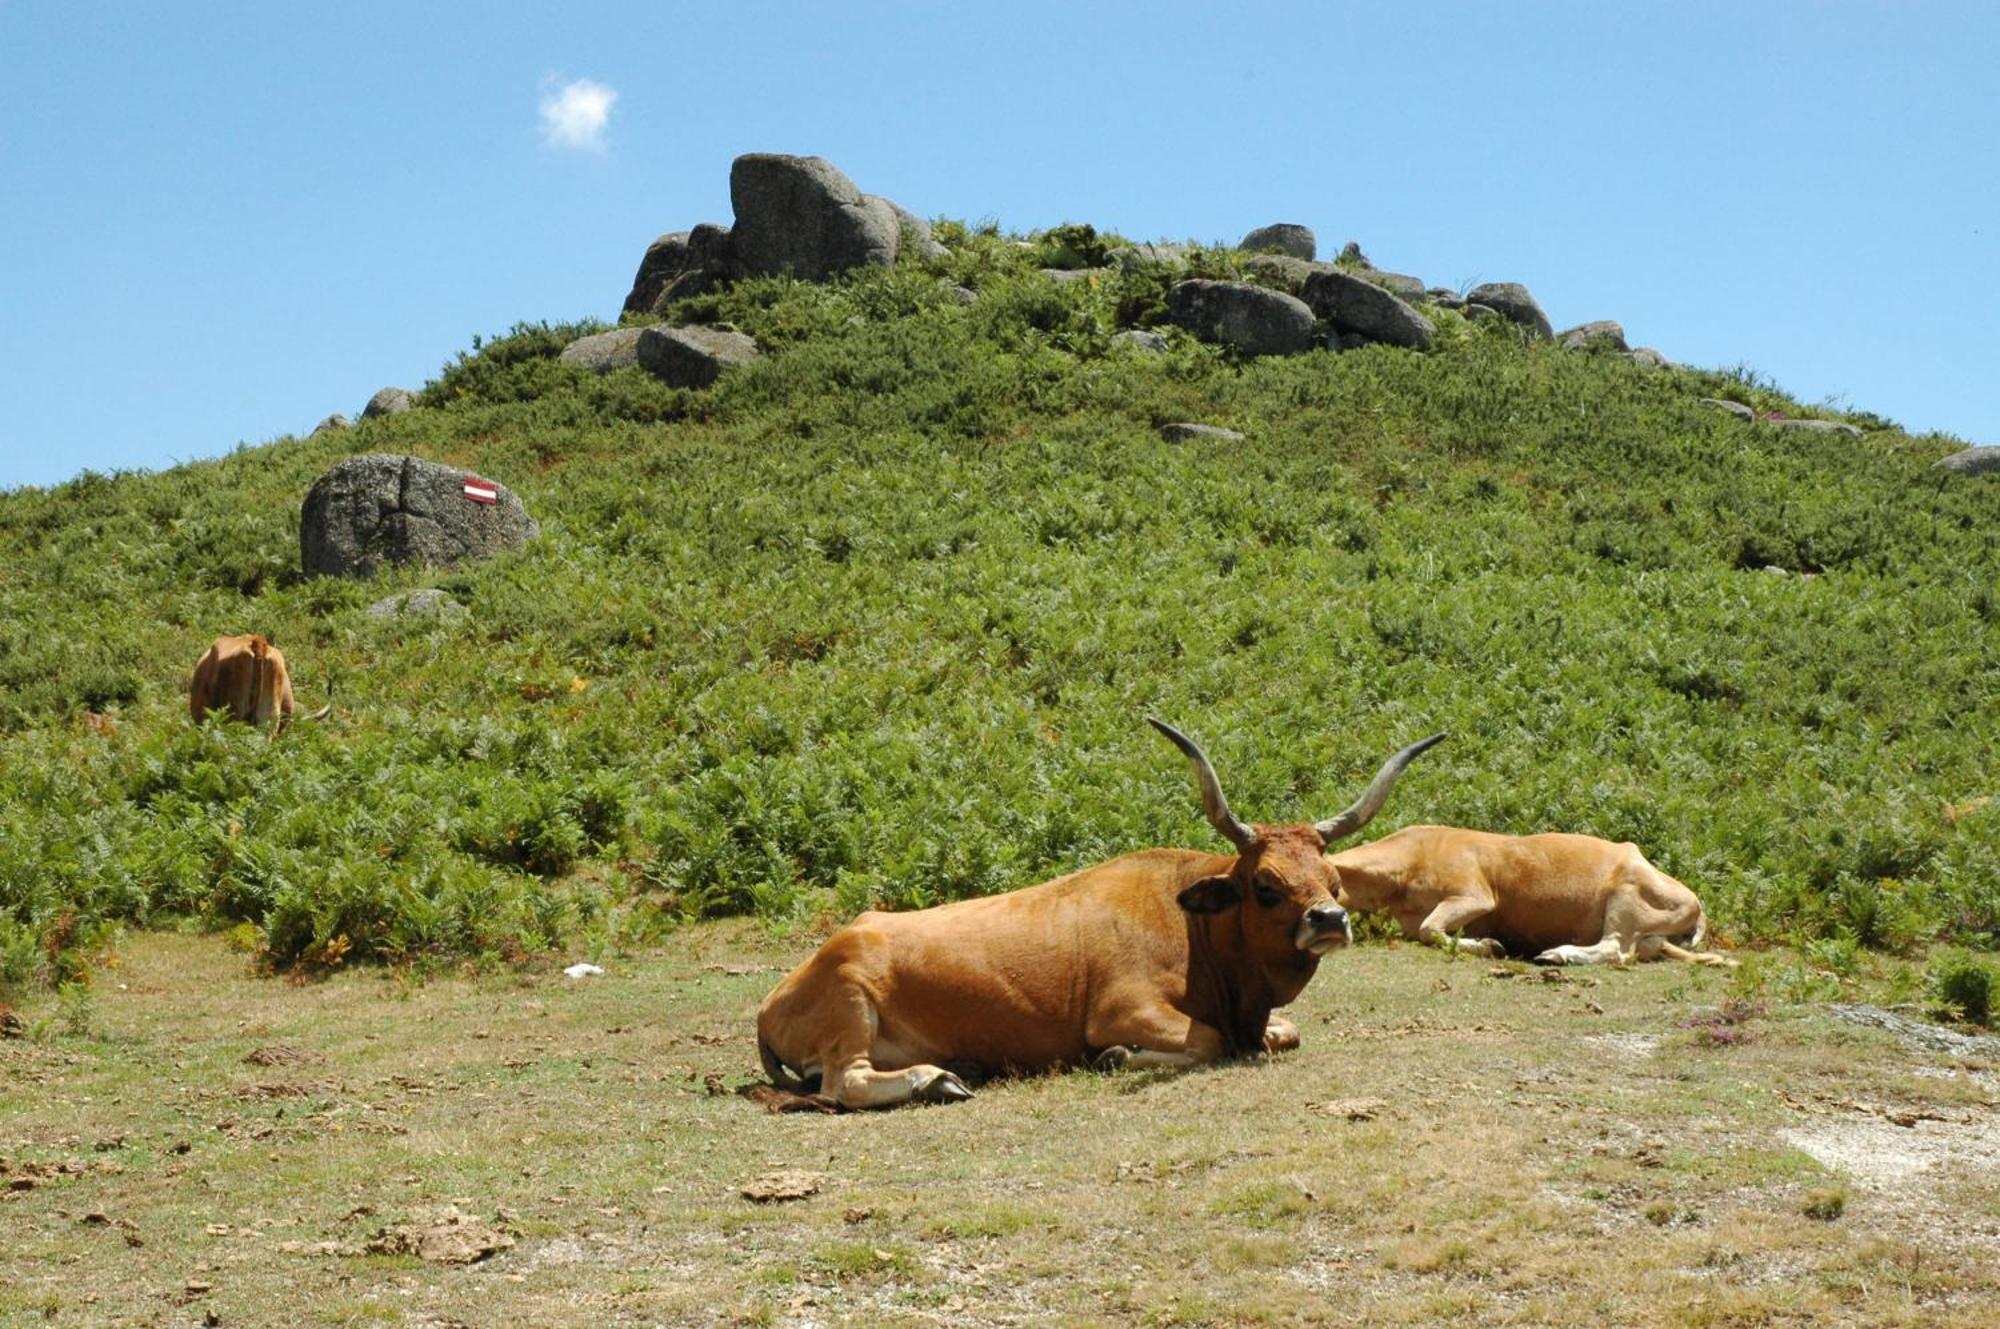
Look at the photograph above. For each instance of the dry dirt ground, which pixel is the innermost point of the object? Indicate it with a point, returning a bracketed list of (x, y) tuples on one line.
[(1457, 1141)]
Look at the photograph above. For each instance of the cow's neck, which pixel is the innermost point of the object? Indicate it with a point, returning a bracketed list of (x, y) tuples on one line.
[(1233, 997)]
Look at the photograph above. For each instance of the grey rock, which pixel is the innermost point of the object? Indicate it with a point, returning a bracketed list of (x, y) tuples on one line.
[(604, 351), (1346, 341), (1513, 302), (693, 357), (378, 509), (1129, 257), (1602, 335), (1249, 318), (666, 258), (1479, 313), (1974, 461), (1350, 254), (964, 295), (1401, 285), (429, 602), (1647, 358), (1735, 408), (1140, 339), (1444, 297), (1927, 1036), (1288, 238), (1068, 276), (331, 423), (1187, 433), (389, 401), (1816, 426), (916, 231), (1279, 271), (704, 266), (1352, 304), (800, 216)]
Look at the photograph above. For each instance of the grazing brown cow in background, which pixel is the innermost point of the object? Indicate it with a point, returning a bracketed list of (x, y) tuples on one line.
[(1166, 957), (245, 676), (1565, 899)]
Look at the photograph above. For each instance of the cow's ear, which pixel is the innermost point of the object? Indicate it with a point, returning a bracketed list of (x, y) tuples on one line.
[(1211, 895)]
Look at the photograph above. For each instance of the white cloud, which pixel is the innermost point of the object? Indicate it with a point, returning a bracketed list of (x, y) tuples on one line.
[(574, 115)]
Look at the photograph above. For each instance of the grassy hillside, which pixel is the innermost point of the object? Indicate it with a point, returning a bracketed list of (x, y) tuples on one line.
[(877, 619)]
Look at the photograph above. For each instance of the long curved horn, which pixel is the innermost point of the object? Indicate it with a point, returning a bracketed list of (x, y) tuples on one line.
[(1375, 795), (1213, 804)]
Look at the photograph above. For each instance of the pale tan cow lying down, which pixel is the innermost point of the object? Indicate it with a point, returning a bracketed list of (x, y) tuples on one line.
[(246, 677), (1564, 899)]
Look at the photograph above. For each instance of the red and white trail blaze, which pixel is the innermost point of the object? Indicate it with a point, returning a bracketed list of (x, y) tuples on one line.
[(481, 491)]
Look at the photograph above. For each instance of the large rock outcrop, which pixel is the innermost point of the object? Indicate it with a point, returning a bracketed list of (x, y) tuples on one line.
[(379, 508), (802, 217), (795, 216)]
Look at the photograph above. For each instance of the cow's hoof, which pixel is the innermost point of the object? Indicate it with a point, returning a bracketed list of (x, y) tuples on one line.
[(1112, 1058), (944, 1087), (1551, 957), (1494, 950)]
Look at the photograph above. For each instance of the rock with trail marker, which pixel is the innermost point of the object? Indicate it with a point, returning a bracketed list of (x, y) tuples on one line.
[(380, 509)]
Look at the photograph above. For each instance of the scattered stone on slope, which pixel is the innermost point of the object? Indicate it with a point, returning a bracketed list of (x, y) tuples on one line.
[(1141, 339), (1404, 287), (604, 351), (1249, 318), (1352, 304), (1187, 432), (1814, 426), (1287, 238), (1512, 301), (389, 401), (781, 1186), (1479, 313), (801, 216), (963, 295), (331, 423), (428, 602), (1129, 257), (1925, 1035), (379, 508), (1974, 461), (1602, 335), (1067, 276), (1647, 358), (916, 231), (452, 1238), (693, 357), (1735, 408), (1279, 271)]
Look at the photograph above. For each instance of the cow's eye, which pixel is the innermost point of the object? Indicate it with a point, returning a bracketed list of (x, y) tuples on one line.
[(1267, 895)]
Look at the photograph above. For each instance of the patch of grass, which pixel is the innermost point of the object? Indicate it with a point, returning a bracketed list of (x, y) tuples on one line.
[(1824, 1204)]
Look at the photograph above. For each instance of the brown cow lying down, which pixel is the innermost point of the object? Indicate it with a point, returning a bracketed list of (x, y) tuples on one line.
[(1165, 957), (246, 677), (1565, 899)]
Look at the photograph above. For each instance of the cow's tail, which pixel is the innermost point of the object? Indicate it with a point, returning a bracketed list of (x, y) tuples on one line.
[(1700, 932), (781, 1077)]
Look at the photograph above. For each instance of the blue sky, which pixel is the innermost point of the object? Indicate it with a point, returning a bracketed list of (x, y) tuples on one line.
[(225, 221)]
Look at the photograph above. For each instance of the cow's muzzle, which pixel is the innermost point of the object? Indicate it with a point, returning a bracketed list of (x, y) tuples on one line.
[(1324, 927)]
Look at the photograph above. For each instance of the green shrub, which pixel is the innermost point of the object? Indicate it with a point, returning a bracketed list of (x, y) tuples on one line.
[(1961, 987)]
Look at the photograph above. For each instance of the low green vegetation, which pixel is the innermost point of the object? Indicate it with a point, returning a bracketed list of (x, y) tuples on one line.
[(876, 620)]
